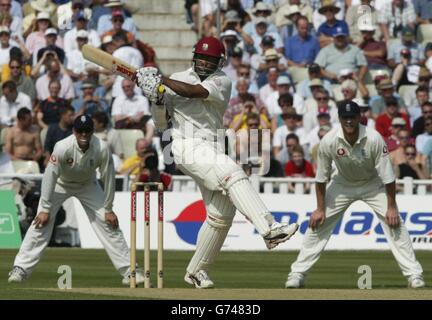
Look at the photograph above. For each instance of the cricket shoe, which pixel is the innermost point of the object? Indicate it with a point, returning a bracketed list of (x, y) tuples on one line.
[(139, 277), (416, 281), (295, 280), (279, 232), (17, 275), (200, 280)]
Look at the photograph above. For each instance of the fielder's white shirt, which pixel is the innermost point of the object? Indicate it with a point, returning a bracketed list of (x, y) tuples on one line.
[(204, 116), (366, 161), (132, 56), (124, 106), (70, 167)]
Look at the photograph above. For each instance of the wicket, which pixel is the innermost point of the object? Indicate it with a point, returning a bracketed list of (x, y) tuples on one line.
[(160, 189)]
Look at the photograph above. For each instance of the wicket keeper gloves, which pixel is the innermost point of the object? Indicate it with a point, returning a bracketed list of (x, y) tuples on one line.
[(150, 82)]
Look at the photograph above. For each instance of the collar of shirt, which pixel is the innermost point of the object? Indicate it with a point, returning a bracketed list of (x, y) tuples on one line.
[(362, 134)]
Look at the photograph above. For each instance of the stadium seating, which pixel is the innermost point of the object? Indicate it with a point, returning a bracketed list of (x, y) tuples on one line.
[(298, 74), (26, 166), (129, 137), (424, 33), (406, 89)]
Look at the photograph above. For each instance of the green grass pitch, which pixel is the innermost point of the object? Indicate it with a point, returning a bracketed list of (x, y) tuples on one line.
[(237, 275)]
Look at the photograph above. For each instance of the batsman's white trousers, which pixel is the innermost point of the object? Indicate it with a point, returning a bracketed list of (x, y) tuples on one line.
[(92, 198), (338, 198)]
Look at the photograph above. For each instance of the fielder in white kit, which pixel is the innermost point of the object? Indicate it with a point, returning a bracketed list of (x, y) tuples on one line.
[(196, 100), (364, 172), (71, 171)]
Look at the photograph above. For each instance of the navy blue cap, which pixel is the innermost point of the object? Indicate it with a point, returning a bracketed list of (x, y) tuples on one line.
[(83, 123), (347, 108)]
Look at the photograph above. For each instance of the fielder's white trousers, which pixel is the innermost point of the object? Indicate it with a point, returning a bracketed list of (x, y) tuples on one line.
[(92, 198), (338, 198)]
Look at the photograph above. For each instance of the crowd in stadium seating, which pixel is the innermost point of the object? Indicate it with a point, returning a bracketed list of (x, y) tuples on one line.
[(307, 55), (290, 62)]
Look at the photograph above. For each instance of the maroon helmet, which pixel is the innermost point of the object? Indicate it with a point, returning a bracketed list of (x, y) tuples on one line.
[(209, 56)]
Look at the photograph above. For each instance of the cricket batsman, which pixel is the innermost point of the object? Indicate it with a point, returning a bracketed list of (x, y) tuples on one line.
[(364, 172), (71, 172), (196, 100)]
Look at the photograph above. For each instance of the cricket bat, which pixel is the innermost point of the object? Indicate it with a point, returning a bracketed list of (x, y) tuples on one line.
[(111, 63)]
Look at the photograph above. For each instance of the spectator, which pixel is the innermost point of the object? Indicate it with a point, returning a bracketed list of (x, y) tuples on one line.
[(233, 62), (5, 45), (374, 51), (323, 130), (76, 64), (304, 87), (349, 89), (55, 72), (319, 103), (419, 126), (403, 140), (422, 79), (261, 30), (282, 20), (16, 23), (131, 166), (318, 19), (24, 84), (283, 86), (271, 86), (80, 23), (332, 26), (423, 138), (105, 22), (118, 19), (290, 29), (244, 71), (15, 53), (366, 118), (291, 140), (48, 110), (129, 54), (271, 60), (22, 140), (89, 102), (412, 167), (414, 108), (322, 118), (36, 39), (392, 141), (298, 167), (59, 130), (260, 10), (301, 49), (285, 102), (261, 63), (385, 90), (51, 36), (11, 102), (237, 7), (394, 16), (384, 121), (426, 156), (397, 52), (355, 18), (423, 10), (428, 56), (232, 23), (290, 118), (342, 55), (31, 9), (236, 104), (240, 120)]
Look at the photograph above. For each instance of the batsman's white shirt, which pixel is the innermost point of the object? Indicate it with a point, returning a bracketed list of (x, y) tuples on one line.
[(70, 166), (367, 160), (205, 115)]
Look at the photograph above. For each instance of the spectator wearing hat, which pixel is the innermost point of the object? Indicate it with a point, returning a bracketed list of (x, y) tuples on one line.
[(374, 51), (272, 59), (271, 86), (322, 118), (332, 26), (423, 138), (314, 72), (282, 14), (117, 21), (107, 44), (51, 36), (105, 22), (342, 55), (48, 110), (384, 120), (260, 10), (237, 7), (290, 118), (394, 16), (396, 53), (31, 9), (11, 101), (54, 71), (354, 20), (231, 39), (419, 124), (232, 22), (284, 85), (81, 21), (397, 125), (15, 24), (385, 90), (16, 74), (36, 39), (233, 61), (366, 118), (5, 45), (302, 48), (17, 39), (89, 102), (290, 29), (320, 101), (76, 64), (236, 103), (258, 61), (318, 18), (261, 30), (421, 96)]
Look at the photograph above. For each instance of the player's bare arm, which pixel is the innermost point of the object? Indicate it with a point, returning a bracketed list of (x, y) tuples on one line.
[(185, 89), (318, 216), (392, 215)]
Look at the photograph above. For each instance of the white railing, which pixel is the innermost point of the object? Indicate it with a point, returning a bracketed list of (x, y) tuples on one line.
[(261, 184)]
